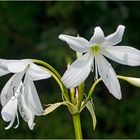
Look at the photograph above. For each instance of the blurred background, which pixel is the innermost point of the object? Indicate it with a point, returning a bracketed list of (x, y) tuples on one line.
[(31, 29)]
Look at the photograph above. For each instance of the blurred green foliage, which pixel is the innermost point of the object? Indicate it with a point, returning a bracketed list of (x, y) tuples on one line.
[(31, 29)]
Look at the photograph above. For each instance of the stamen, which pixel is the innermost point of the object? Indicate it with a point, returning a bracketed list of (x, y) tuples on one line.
[(92, 66), (96, 70), (95, 49)]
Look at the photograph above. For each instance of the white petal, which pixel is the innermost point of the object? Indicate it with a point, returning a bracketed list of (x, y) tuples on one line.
[(18, 66), (78, 71), (109, 77), (9, 110), (22, 109), (3, 67), (28, 112), (37, 73), (116, 37), (17, 121), (123, 54), (31, 123), (10, 125), (10, 88), (78, 44), (32, 99), (3, 63), (3, 72), (7, 92), (98, 36)]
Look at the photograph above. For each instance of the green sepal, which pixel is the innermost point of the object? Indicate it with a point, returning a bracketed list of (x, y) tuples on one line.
[(52, 107), (91, 108)]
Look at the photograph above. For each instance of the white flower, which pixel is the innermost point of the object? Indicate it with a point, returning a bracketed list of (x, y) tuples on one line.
[(93, 56), (19, 94)]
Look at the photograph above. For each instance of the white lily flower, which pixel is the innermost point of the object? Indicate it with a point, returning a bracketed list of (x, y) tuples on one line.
[(19, 94), (93, 56)]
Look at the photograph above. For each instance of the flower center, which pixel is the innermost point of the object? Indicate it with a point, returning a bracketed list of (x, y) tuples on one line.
[(95, 49)]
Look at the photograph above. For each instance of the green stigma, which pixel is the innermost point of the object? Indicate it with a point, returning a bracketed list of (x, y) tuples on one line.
[(95, 49)]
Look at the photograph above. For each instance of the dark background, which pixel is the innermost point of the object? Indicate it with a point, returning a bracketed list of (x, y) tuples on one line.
[(31, 29)]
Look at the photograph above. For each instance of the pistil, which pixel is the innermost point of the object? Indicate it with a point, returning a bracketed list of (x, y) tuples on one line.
[(95, 49)]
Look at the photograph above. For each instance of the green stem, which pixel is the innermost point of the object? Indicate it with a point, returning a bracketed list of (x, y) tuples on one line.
[(72, 94), (81, 89), (55, 75), (91, 92), (77, 126), (62, 87), (93, 87), (48, 66)]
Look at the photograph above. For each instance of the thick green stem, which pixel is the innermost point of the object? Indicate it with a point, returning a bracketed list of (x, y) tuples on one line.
[(77, 126)]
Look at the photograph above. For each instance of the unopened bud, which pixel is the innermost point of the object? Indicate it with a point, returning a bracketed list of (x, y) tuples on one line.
[(132, 80)]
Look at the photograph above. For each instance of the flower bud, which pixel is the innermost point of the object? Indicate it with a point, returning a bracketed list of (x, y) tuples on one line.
[(132, 80)]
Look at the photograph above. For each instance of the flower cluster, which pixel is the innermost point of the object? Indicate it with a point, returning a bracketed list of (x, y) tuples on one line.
[(19, 95)]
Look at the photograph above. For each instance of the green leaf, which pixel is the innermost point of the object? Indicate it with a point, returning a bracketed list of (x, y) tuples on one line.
[(90, 108), (52, 107)]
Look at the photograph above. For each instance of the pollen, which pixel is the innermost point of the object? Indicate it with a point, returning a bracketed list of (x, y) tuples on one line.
[(95, 49)]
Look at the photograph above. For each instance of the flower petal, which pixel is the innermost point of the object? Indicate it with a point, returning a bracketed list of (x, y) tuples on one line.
[(10, 125), (17, 121), (78, 44), (28, 112), (32, 99), (109, 77), (37, 73), (3, 67), (78, 71), (98, 36), (10, 88), (123, 54), (3, 72), (7, 92), (116, 37), (18, 65), (9, 110)]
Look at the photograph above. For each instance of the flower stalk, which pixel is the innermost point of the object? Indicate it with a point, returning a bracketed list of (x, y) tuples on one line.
[(81, 89), (77, 126), (55, 75), (90, 93)]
